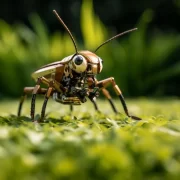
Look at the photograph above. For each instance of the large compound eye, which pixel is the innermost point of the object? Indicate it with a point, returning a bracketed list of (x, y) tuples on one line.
[(78, 64), (78, 60)]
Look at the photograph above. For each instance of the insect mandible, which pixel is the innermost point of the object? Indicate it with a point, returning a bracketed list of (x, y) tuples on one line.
[(73, 79)]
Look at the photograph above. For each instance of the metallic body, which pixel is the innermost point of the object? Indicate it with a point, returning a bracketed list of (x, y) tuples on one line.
[(71, 81)]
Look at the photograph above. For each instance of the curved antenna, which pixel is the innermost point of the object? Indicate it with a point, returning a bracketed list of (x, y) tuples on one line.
[(61, 21), (114, 37)]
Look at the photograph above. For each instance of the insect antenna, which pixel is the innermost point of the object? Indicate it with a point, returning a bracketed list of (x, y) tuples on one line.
[(62, 22), (114, 37)]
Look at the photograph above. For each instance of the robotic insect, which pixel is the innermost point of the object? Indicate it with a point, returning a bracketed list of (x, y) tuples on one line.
[(72, 80)]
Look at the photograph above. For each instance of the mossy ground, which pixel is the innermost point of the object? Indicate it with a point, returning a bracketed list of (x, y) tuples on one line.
[(90, 145)]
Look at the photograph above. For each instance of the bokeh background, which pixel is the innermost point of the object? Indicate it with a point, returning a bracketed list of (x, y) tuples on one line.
[(144, 63)]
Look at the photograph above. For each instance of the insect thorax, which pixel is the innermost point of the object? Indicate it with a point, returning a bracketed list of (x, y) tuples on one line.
[(77, 87)]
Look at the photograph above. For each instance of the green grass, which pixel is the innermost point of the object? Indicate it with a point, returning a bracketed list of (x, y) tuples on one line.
[(90, 145)]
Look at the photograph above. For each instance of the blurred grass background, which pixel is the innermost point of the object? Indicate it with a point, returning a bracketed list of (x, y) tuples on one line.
[(144, 63), (86, 144)]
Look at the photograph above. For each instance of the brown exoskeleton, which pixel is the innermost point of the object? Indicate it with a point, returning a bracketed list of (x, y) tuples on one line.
[(72, 80)]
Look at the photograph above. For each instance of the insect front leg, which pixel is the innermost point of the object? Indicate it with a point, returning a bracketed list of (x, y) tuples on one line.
[(92, 96), (104, 83)]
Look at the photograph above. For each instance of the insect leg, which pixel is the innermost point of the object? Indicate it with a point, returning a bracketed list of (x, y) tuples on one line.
[(108, 96), (102, 84), (28, 90), (95, 104), (23, 97), (34, 92), (71, 108), (48, 94), (126, 109)]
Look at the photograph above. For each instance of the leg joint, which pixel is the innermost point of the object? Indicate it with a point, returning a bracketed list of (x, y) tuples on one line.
[(104, 83)]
